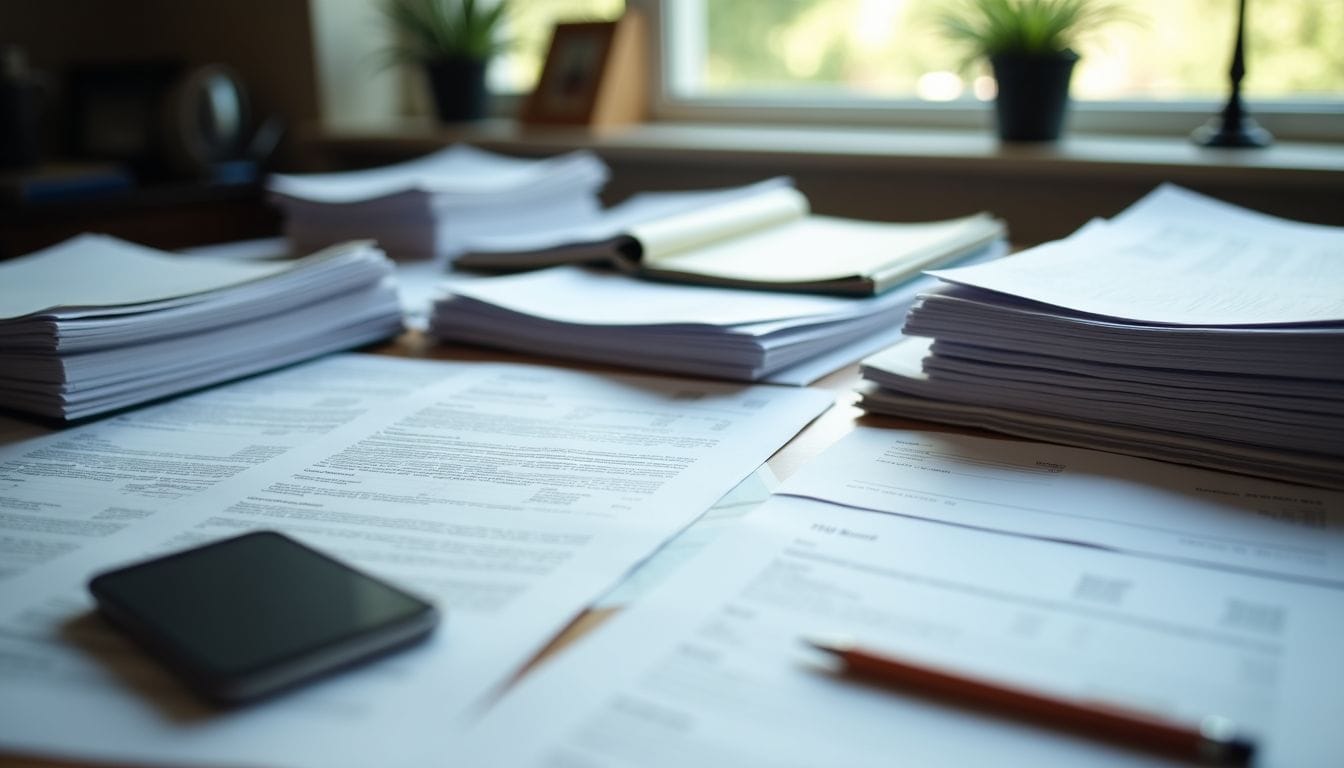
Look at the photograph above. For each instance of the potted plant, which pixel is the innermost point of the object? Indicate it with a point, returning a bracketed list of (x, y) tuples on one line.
[(1030, 46), (453, 40)]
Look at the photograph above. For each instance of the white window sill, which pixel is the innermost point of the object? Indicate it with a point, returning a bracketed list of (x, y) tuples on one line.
[(894, 145)]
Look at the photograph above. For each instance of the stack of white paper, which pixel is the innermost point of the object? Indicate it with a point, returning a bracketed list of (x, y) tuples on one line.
[(728, 333), (430, 207), (898, 384), (101, 324), (1185, 328)]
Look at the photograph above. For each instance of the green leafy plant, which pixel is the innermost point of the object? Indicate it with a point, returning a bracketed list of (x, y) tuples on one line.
[(1025, 27), (428, 30)]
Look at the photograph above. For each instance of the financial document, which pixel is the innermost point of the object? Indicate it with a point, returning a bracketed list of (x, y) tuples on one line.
[(711, 670), (510, 495), (78, 486), (1144, 507)]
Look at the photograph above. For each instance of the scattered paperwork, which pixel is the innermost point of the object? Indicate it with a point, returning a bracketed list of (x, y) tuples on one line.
[(1151, 612), (511, 495)]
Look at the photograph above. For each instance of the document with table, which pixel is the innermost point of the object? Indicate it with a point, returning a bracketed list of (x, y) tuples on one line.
[(714, 670), (511, 495), (1146, 508)]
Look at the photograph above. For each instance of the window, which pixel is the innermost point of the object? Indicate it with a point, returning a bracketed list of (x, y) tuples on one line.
[(1173, 49), (885, 61), (885, 58)]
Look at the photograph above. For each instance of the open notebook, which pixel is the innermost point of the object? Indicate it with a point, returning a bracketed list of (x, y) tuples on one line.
[(760, 236)]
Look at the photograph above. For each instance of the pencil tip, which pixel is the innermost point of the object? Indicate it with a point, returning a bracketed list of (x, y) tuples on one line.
[(829, 643)]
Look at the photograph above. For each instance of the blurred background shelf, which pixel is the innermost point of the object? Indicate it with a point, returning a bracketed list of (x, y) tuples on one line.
[(167, 216)]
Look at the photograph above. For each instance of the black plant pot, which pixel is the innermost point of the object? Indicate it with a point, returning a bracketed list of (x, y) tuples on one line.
[(458, 85), (1033, 95)]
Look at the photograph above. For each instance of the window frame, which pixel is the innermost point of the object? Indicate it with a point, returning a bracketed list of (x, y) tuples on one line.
[(1306, 120)]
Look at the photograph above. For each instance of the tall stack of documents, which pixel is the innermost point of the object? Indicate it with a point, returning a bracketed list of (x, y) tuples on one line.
[(102, 324), (1184, 329), (729, 333), (430, 207)]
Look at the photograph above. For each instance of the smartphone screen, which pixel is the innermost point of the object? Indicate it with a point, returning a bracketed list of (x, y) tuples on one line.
[(248, 616)]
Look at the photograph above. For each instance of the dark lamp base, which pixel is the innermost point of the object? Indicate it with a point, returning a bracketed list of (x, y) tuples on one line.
[(1240, 133)]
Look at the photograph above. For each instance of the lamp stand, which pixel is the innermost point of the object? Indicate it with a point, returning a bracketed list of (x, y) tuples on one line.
[(1234, 128)]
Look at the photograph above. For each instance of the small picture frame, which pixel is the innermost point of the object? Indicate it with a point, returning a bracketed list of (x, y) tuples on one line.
[(595, 75)]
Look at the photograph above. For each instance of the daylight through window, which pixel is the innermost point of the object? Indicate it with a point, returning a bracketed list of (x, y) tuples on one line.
[(858, 54)]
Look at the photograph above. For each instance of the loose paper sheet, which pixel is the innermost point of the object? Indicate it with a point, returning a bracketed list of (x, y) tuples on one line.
[(511, 495), (101, 271), (1144, 507), (1177, 257), (711, 669)]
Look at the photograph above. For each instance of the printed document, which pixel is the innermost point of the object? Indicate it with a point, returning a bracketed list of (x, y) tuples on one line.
[(79, 486), (510, 495), (711, 670), (1148, 508)]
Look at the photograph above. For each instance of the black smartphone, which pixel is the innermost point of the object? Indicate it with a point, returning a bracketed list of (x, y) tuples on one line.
[(245, 617)]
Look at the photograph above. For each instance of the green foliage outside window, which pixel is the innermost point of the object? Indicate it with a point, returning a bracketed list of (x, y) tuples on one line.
[(1179, 48)]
